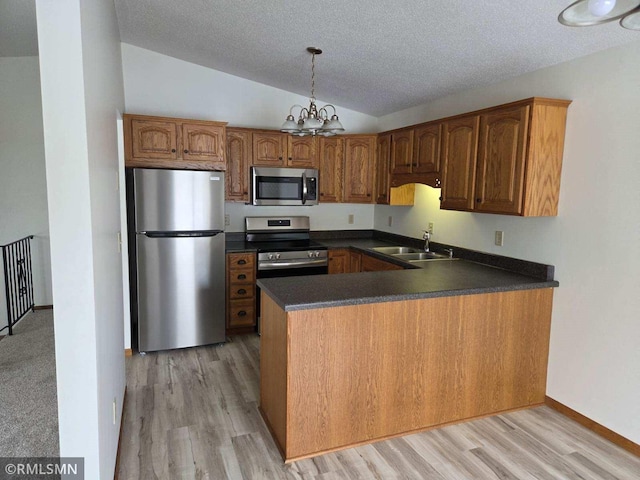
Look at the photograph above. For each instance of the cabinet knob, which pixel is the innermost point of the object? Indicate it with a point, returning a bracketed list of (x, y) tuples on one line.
[(242, 262), (440, 198), (279, 158), (290, 158), (186, 151), (321, 194), (242, 276), (173, 150), (242, 291), (242, 313), (479, 200), (368, 194), (414, 164), (245, 193)]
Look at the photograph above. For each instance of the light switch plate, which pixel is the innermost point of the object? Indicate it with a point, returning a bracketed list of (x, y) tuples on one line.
[(390, 222), (351, 219), (499, 238)]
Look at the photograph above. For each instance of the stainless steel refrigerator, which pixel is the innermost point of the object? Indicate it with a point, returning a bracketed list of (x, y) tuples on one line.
[(180, 258)]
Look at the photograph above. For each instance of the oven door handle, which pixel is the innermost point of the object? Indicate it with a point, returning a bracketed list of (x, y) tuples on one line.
[(305, 190), (294, 264)]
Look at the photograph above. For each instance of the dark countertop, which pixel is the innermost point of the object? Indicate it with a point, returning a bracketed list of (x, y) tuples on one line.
[(437, 279)]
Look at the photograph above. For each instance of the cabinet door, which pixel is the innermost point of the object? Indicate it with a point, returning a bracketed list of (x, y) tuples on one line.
[(330, 169), (401, 151), (371, 264), (426, 149), (355, 262), (154, 139), (382, 169), (203, 142), (238, 160), (500, 170), (459, 150), (269, 149), (302, 152), (338, 261), (359, 168)]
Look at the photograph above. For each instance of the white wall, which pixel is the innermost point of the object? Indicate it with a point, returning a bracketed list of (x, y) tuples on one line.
[(23, 186), (594, 363), (82, 94)]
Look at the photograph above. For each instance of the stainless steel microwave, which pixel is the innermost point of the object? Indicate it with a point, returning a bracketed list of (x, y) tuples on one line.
[(284, 186)]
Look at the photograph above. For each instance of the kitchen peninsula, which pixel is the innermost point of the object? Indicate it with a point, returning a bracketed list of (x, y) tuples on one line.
[(354, 358)]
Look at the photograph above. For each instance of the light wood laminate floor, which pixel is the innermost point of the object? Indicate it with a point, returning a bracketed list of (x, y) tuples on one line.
[(192, 414)]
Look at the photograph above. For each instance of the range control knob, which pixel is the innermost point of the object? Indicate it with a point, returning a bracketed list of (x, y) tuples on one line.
[(316, 254), (277, 256), (310, 254), (270, 256)]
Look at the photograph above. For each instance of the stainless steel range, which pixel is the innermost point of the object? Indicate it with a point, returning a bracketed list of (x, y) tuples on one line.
[(284, 247)]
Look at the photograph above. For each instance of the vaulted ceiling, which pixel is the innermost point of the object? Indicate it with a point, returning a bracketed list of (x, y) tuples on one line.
[(379, 56)]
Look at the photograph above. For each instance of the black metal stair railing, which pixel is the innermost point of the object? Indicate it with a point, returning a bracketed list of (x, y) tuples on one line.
[(18, 280)]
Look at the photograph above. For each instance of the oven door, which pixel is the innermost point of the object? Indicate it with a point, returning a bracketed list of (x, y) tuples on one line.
[(284, 186)]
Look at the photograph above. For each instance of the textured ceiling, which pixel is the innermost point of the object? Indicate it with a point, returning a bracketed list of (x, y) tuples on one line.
[(18, 34)]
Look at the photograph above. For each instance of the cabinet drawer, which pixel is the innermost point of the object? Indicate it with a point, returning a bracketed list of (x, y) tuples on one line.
[(242, 313), (242, 291), (242, 275), (241, 260)]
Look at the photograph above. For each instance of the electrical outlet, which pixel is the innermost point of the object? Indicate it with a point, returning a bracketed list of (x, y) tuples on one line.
[(499, 238), (351, 219), (431, 228), (390, 222), (227, 220), (115, 410)]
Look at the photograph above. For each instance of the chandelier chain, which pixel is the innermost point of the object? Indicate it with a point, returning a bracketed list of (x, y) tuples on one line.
[(313, 75)]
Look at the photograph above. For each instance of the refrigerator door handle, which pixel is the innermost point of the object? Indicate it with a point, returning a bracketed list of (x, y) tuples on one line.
[(195, 234)]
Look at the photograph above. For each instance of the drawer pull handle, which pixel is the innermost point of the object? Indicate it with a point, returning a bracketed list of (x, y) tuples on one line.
[(242, 313), (242, 262), (242, 291), (242, 276)]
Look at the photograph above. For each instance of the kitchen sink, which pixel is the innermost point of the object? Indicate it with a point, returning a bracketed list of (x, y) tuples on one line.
[(395, 250), (419, 256)]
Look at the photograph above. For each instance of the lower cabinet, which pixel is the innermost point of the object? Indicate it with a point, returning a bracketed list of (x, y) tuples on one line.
[(339, 261), (372, 264), (241, 292)]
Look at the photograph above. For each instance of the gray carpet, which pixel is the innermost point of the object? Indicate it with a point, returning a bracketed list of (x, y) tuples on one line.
[(28, 400)]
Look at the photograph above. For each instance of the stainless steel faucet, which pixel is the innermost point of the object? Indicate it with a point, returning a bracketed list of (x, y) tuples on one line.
[(426, 236)]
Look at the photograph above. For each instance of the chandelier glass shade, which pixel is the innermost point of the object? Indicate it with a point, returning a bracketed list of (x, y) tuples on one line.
[(584, 13), (311, 120)]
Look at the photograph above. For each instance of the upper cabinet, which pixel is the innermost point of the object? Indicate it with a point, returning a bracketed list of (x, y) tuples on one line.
[(402, 151), (459, 150), (382, 169), (302, 152), (239, 155), (505, 160), (359, 167), (426, 149), (269, 149), (331, 167), (159, 142)]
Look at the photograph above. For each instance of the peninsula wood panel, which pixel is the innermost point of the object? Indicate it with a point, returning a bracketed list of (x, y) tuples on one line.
[(366, 372), (274, 359)]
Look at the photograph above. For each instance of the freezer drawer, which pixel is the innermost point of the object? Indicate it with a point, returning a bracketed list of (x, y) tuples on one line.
[(178, 200), (181, 288)]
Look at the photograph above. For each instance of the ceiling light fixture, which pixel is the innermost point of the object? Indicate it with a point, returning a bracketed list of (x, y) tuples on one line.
[(312, 121), (585, 13)]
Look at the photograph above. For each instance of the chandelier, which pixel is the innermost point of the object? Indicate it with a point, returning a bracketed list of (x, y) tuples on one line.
[(584, 13), (312, 121)]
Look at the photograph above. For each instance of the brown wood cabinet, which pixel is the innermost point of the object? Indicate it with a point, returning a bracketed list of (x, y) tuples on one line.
[(269, 149), (331, 168), (239, 155), (505, 160), (161, 142), (426, 149), (355, 261), (382, 169), (459, 151), (339, 261), (372, 264), (359, 168), (241, 292), (302, 152), (402, 151)]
